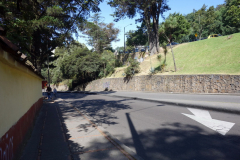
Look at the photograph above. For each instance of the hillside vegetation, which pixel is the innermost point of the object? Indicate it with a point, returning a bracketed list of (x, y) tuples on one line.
[(210, 56)]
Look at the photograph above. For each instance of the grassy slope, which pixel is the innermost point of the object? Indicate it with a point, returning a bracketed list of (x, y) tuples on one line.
[(210, 56)]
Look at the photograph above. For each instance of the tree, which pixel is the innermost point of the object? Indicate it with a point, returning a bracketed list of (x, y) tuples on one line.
[(219, 24), (211, 21), (120, 49), (107, 60), (149, 12), (80, 64), (200, 21), (205, 22), (64, 65), (38, 27), (232, 16), (138, 37), (175, 27), (100, 34)]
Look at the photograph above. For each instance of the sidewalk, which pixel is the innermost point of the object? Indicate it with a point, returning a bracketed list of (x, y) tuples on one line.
[(62, 132), (218, 102)]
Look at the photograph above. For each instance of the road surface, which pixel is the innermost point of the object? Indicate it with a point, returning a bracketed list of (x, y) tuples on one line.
[(160, 131)]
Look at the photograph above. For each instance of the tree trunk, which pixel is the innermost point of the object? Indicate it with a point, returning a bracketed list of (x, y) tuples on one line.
[(173, 59), (152, 29), (154, 44)]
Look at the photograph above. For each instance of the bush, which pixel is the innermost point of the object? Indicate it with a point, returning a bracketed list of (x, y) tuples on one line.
[(159, 57), (132, 68), (118, 63), (160, 68)]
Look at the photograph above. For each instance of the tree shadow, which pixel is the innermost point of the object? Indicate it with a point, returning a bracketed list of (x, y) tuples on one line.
[(64, 95), (180, 141), (100, 111), (170, 141), (127, 79)]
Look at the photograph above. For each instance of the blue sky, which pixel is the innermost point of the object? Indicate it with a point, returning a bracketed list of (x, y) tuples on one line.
[(182, 6)]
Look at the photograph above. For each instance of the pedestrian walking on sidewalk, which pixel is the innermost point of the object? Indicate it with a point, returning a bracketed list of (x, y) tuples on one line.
[(55, 92), (49, 90)]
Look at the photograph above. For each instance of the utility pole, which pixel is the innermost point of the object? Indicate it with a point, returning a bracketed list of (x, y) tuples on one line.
[(199, 27), (124, 36)]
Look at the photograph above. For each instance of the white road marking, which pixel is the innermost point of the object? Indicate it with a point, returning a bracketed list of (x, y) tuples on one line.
[(204, 117)]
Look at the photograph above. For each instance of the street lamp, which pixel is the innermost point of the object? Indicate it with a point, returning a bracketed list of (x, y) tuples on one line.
[(124, 36)]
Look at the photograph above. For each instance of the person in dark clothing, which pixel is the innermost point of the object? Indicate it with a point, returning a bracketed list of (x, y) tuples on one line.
[(49, 90)]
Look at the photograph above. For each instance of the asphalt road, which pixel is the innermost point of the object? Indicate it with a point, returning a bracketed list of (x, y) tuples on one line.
[(225, 98), (160, 131)]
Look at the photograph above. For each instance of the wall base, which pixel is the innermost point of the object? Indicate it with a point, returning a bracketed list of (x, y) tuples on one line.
[(10, 142)]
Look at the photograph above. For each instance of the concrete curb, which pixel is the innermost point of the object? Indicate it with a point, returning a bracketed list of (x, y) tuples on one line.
[(181, 104)]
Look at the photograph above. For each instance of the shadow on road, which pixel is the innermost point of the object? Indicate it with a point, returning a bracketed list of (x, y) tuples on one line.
[(169, 142), (136, 140), (179, 141), (100, 110)]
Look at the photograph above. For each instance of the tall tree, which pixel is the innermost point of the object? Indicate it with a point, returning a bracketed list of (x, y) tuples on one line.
[(108, 61), (204, 22), (38, 27), (100, 34), (175, 27), (231, 16), (211, 21), (200, 21), (64, 54), (138, 37), (78, 63), (149, 11)]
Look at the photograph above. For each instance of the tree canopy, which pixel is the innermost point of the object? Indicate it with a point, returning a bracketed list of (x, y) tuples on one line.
[(232, 15), (138, 37), (77, 62), (38, 27), (175, 28), (100, 34), (149, 11), (224, 20)]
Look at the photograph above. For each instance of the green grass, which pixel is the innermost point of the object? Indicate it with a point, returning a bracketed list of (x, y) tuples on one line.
[(210, 56)]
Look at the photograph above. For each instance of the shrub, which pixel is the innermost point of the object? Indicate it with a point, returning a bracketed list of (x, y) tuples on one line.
[(159, 57), (132, 68)]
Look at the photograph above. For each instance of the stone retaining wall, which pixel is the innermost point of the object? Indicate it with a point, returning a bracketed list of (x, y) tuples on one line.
[(171, 83)]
